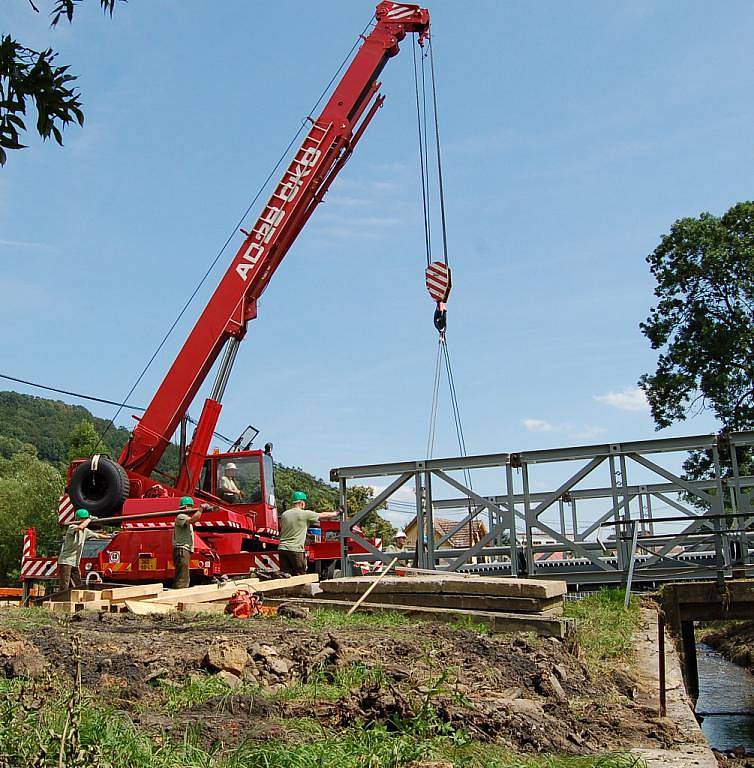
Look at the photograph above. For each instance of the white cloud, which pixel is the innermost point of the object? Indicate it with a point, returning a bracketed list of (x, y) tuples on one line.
[(589, 432), (20, 244), (630, 399), (537, 425)]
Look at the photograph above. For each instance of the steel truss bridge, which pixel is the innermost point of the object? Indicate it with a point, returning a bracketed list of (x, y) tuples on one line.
[(600, 524)]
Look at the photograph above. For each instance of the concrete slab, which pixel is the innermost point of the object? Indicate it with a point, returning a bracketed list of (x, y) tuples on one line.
[(456, 602), (477, 585), (504, 623)]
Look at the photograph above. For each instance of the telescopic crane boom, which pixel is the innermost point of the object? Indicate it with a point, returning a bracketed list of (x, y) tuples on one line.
[(223, 323)]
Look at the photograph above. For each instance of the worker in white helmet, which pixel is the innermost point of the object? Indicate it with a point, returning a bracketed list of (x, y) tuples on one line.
[(399, 542), (228, 489)]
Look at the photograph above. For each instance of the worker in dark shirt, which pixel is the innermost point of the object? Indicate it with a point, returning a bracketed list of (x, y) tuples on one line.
[(183, 542)]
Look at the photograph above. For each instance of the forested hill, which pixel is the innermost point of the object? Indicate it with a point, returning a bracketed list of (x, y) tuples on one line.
[(49, 424)]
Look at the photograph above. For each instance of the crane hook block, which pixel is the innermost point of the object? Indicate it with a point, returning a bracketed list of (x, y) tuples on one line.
[(437, 280)]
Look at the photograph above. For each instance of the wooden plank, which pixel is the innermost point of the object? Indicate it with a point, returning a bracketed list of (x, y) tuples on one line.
[(147, 608), (264, 587), (545, 626), (440, 584), (204, 592), (83, 595), (460, 602), (174, 596), (202, 607), (120, 594), (277, 585)]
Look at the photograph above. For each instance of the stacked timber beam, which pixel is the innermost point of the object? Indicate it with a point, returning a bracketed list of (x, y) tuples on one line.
[(504, 605), (151, 599)]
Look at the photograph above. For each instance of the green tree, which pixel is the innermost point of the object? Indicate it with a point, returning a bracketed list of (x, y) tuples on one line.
[(83, 440), (29, 492), (323, 497), (373, 525), (703, 323), (28, 76)]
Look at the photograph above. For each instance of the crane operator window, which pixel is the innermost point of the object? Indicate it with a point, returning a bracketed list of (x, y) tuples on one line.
[(239, 481)]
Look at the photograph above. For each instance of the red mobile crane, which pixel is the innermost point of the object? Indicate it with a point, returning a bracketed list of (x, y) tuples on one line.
[(240, 534)]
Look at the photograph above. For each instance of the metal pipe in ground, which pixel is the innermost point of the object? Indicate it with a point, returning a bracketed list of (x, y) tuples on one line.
[(661, 661)]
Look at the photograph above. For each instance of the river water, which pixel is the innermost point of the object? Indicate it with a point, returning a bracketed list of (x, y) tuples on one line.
[(726, 700)]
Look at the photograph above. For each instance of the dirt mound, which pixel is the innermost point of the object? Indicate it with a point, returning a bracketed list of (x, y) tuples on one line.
[(532, 694), (19, 658)]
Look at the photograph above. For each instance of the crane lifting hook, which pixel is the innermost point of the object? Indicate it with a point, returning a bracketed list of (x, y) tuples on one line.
[(441, 317)]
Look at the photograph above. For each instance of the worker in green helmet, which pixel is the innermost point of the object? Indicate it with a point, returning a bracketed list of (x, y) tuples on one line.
[(74, 539), (183, 541), (294, 523)]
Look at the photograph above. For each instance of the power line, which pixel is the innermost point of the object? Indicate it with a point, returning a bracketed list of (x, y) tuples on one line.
[(94, 399)]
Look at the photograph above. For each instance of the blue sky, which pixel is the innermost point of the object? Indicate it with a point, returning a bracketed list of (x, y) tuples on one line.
[(573, 136)]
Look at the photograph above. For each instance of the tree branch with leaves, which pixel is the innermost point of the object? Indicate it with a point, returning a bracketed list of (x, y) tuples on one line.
[(31, 78)]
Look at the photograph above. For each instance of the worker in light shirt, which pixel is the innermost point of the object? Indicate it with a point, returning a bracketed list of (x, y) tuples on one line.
[(294, 523), (399, 543), (228, 488), (74, 539), (183, 541)]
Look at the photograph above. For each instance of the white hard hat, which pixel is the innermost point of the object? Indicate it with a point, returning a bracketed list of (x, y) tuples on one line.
[(230, 465), (400, 535)]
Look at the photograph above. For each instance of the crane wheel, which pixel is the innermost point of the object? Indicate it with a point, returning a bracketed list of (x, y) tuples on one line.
[(99, 485)]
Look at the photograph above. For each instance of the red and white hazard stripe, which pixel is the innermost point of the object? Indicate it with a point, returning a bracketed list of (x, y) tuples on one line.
[(41, 568), (66, 511), (30, 545), (437, 280), (400, 12), (207, 524), (267, 562)]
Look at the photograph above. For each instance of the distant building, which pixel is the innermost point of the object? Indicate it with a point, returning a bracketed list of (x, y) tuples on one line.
[(467, 537)]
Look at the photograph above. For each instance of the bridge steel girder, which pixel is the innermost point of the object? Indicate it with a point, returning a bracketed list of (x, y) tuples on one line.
[(504, 509)]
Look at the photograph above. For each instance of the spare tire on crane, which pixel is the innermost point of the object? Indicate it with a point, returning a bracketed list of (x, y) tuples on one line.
[(99, 485)]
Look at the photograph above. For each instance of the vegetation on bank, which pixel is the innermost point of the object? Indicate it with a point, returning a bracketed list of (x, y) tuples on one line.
[(42, 730), (605, 628)]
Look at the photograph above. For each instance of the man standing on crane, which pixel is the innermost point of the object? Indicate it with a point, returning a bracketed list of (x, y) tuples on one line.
[(183, 542), (294, 523), (73, 545)]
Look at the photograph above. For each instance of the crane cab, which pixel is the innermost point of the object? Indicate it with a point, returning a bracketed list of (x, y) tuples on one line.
[(244, 482)]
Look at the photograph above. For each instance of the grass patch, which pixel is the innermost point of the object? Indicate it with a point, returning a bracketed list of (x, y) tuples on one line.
[(192, 691), (329, 618), (26, 618), (331, 686), (604, 629), (468, 623), (32, 724)]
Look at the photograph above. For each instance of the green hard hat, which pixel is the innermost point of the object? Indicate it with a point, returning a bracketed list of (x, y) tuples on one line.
[(82, 514), (299, 496), (186, 501)]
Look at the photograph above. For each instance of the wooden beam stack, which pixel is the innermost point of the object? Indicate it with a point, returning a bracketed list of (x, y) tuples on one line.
[(152, 599)]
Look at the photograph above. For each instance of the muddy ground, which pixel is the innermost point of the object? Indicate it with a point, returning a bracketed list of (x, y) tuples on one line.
[(533, 694)]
